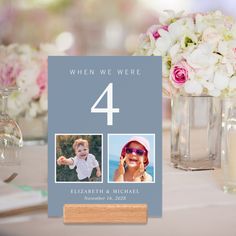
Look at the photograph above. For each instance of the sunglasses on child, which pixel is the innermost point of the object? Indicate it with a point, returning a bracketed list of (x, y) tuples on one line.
[(139, 152)]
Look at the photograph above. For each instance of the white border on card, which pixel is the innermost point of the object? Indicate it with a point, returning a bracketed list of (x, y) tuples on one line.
[(55, 157), (154, 159)]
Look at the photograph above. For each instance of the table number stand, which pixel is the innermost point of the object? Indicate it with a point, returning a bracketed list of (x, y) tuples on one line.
[(105, 214)]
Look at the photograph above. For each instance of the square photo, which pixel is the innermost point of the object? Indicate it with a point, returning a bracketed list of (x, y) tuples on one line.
[(78, 158), (131, 158)]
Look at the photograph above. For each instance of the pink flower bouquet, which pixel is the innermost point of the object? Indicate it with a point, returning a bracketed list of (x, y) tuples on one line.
[(26, 68), (198, 53)]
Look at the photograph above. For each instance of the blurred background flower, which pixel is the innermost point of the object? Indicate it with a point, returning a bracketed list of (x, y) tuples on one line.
[(25, 67)]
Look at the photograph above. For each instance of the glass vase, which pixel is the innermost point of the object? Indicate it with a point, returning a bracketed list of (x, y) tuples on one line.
[(195, 132), (34, 129), (11, 140), (228, 148)]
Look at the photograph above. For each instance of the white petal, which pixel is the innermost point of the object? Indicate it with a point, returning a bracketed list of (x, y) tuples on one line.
[(232, 83), (206, 74), (223, 47), (174, 50), (230, 69), (193, 87), (221, 80), (210, 86), (176, 30), (163, 44), (215, 92), (202, 57)]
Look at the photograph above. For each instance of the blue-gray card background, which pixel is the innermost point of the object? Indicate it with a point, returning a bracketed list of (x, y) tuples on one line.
[(139, 99)]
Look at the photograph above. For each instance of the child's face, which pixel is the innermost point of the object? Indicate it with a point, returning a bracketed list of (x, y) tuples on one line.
[(134, 153), (82, 151)]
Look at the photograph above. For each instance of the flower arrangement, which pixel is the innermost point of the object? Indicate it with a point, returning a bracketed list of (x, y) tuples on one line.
[(198, 53), (26, 68)]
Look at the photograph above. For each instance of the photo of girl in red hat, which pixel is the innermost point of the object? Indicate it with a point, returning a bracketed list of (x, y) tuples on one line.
[(134, 160)]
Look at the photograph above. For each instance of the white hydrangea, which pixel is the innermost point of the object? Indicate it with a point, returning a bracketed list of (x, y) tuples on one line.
[(198, 52)]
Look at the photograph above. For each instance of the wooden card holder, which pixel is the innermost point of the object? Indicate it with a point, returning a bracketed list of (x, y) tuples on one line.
[(105, 213)]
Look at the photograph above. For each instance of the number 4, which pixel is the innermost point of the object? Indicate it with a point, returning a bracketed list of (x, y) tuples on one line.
[(109, 110)]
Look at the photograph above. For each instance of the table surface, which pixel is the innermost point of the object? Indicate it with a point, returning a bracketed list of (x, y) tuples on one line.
[(193, 204)]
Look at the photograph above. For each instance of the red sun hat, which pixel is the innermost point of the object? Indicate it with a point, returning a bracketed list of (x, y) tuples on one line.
[(144, 142)]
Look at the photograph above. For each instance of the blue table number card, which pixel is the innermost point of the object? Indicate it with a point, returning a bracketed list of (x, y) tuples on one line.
[(105, 132)]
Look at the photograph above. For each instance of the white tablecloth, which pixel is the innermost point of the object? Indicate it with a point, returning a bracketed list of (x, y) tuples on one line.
[(193, 204)]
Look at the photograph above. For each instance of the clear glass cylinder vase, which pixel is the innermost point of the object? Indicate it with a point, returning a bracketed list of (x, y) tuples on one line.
[(228, 148), (195, 132)]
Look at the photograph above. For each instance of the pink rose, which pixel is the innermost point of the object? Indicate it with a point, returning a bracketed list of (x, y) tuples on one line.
[(154, 30), (42, 78), (179, 73), (8, 73)]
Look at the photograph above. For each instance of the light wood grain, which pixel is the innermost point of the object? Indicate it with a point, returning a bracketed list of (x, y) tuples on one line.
[(105, 213)]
